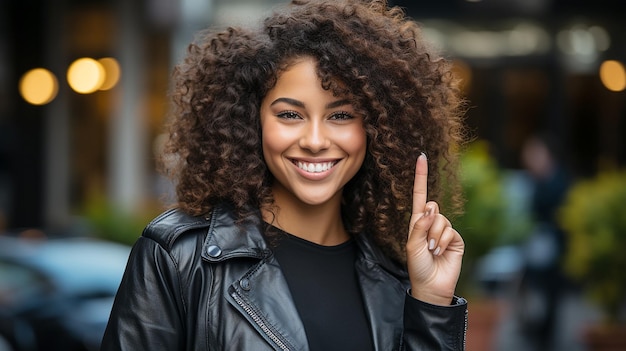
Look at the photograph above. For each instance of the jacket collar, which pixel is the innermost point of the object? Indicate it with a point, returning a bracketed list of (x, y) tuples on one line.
[(228, 238)]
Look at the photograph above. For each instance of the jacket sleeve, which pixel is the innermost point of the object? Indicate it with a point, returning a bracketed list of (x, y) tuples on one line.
[(431, 327), (147, 310)]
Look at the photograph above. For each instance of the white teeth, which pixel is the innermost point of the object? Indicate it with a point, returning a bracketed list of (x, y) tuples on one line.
[(315, 167)]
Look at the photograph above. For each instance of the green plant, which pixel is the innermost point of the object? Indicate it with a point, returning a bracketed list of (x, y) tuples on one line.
[(594, 218), (111, 223), (484, 216)]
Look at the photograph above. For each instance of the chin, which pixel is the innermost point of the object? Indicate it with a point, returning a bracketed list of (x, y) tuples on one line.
[(315, 200)]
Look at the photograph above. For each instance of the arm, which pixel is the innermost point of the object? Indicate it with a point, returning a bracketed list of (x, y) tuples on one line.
[(434, 318), (433, 327), (147, 311)]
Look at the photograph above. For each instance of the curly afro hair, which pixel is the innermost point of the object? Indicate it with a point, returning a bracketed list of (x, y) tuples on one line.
[(365, 50)]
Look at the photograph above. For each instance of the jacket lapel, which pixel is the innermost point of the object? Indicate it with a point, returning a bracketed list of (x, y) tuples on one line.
[(261, 294), (383, 294), (263, 297)]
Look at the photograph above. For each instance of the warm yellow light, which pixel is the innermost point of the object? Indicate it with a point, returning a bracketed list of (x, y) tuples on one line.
[(613, 75), (38, 86), (112, 69), (85, 75), (464, 73)]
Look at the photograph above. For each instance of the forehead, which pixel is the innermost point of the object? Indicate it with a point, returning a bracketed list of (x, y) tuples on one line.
[(299, 77), (298, 67), (327, 80)]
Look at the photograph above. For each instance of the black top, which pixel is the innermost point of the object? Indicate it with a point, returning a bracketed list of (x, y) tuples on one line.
[(324, 287)]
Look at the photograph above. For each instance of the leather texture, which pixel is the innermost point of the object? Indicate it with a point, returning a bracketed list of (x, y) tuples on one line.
[(194, 283)]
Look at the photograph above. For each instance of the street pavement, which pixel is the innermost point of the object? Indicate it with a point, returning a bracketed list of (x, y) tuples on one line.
[(574, 313)]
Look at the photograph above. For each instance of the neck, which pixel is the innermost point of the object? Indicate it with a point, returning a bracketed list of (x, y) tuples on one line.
[(321, 224)]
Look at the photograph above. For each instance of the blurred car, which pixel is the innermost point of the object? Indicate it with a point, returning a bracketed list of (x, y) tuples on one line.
[(57, 294)]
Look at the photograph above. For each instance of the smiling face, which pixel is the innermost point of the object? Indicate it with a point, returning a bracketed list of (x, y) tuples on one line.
[(313, 142)]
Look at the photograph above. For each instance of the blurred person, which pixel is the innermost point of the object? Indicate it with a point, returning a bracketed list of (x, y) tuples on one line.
[(307, 218), (543, 280)]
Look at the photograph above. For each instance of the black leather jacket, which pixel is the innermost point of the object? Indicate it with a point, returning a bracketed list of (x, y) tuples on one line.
[(197, 283)]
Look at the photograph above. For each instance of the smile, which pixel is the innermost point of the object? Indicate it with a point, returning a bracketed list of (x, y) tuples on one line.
[(315, 167)]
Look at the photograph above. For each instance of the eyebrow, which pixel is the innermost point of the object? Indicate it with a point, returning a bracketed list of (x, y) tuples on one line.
[(299, 103)]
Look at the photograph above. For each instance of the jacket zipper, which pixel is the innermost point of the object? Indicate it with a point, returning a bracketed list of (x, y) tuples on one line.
[(259, 321), (465, 329)]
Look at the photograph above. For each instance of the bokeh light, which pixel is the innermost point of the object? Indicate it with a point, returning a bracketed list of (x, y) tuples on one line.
[(464, 73), (86, 75), (112, 70), (613, 75), (38, 86)]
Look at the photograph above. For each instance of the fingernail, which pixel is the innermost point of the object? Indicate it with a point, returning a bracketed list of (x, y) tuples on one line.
[(429, 210), (423, 155), (437, 250), (431, 244)]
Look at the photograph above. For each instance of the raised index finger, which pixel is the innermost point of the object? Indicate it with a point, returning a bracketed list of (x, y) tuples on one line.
[(420, 186)]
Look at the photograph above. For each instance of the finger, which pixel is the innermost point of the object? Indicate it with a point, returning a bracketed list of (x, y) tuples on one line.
[(423, 221), (445, 239), (420, 185), (437, 225)]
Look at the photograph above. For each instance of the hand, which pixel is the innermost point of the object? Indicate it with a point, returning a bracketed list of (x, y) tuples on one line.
[(434, 248)]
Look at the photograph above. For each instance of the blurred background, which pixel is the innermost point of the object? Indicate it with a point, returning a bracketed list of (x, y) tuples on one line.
[(83, 96)]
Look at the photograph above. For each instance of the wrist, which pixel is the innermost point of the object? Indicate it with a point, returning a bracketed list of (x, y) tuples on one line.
[(431, 298)]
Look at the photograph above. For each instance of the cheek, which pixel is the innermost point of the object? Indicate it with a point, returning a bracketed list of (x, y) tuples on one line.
[(273, 139), (355, 141), (268, 144)]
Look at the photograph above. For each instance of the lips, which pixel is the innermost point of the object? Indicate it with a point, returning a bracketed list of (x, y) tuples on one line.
[(315, 167)]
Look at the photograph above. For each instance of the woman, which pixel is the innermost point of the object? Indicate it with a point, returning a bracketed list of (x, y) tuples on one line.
[(303, 221)]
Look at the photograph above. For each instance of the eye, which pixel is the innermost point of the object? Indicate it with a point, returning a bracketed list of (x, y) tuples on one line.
[(341, 116), (288, 115)]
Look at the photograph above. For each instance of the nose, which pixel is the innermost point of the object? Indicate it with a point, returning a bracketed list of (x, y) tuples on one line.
[(315, 136)]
